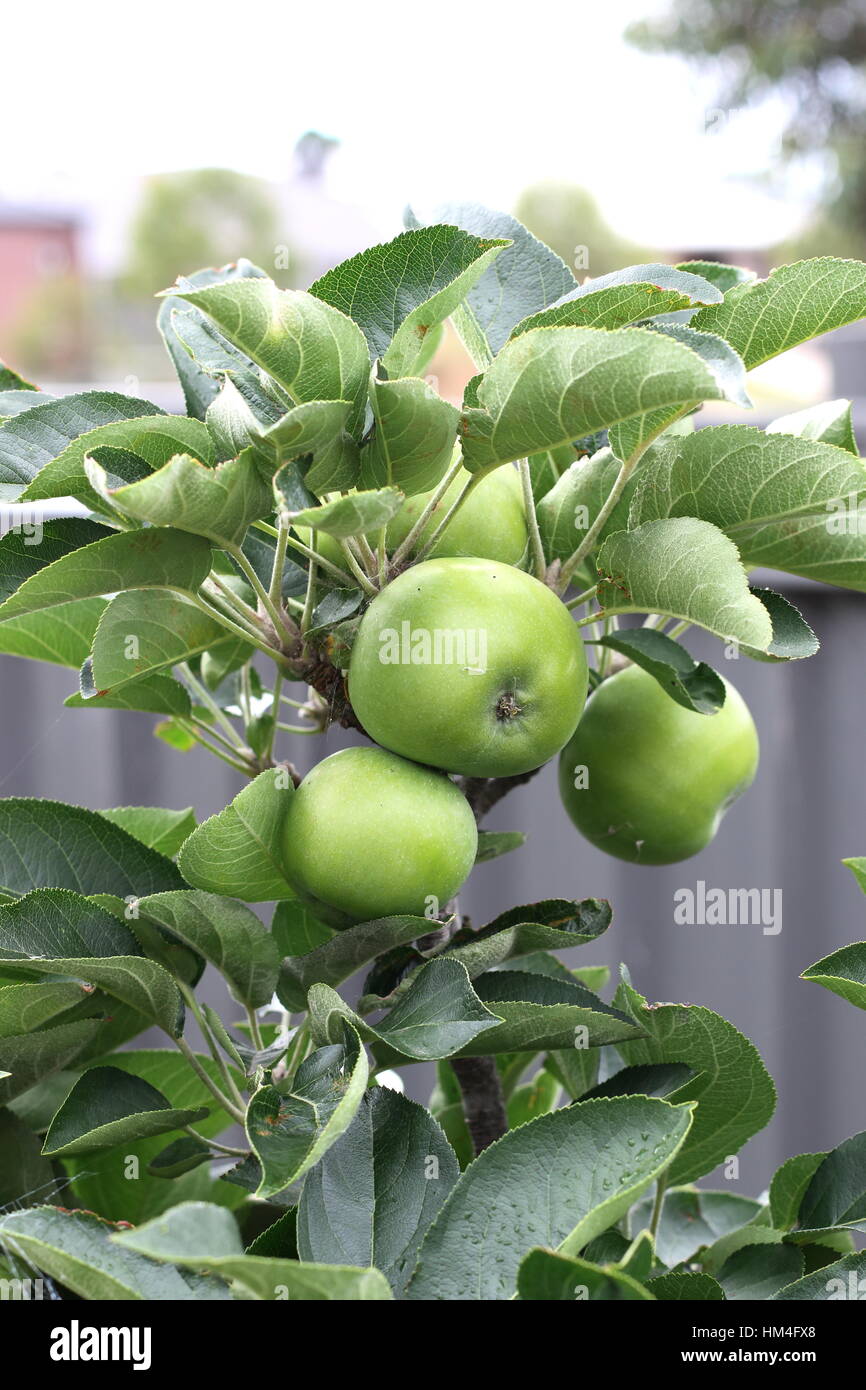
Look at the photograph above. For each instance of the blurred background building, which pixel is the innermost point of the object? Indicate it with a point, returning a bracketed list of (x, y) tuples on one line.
[(733, 129)]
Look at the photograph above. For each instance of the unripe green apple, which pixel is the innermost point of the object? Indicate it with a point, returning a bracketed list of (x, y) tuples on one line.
[(470, 666), (368, 835), (647, 780), (490, 524)]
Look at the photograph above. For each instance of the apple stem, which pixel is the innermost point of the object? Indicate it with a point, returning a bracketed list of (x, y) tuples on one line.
[(539, 563), (405, 547), (361, 578), (626, 469), (432, 540)]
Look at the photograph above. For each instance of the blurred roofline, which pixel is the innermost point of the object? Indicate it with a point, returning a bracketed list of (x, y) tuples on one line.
[(14, 215)]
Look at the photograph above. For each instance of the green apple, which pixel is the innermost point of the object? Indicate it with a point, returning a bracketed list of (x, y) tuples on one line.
[(646, 779), (470, 666), (369, 835), (491, 523)]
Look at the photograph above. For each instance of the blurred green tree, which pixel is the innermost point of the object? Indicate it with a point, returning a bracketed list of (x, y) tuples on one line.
[(200, 217), (813, 54), (567, 218)]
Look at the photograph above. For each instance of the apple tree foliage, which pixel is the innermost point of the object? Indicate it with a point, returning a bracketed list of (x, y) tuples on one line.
[(274, 1158)]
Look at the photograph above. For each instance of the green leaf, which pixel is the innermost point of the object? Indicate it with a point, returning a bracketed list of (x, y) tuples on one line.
[(629, 437), (133, 448), (46, 844), (756, 1233), (139, 634), (31, 440), (75, 1248), (55, 932), (317, 429), (858, 869), (595, 977), (524, 278), (571, 505), (99, 1180), (309, 348), (723, 276), (27, 550), (204, 1236), (230, 1046), (836, 1195), (735, 1095), (414, 438), (240, 416), (683, 1287), (219, 503), (53, 922), (25, 1176), (662, 1079), (686, 569), (553, 925), (161, 829), (227, 934), (374, 1194), (788, 504), (32, 1057), (354, 515), (181, 1156), (841, 1280), (297, 930), (62, 636), (335, 959), (15, 402), (153, 695), (223, 662), (625, 296), (561, 1180), (536, 1097), (493, 843), (830, 422), (181, 330), (796, 302), (788, 1188), (693, 684), (549, 466), (155, 558), (238, 853), (539, 1012), (552, 385), (843, 972), (290, 1131), (278, 1240), (26, 1007), (548, 1276), (693, 1219), (399, 291), (108, 1107), (439, 1015), (11, 381), (793, 639)]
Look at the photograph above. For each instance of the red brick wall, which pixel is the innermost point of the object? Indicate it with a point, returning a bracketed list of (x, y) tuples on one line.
[(31, 253)]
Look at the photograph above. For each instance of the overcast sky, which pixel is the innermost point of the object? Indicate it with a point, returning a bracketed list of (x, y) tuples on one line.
[(429, 101)]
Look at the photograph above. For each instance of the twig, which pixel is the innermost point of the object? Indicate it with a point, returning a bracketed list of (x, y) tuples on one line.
[(483, 1101), (482, 793)]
